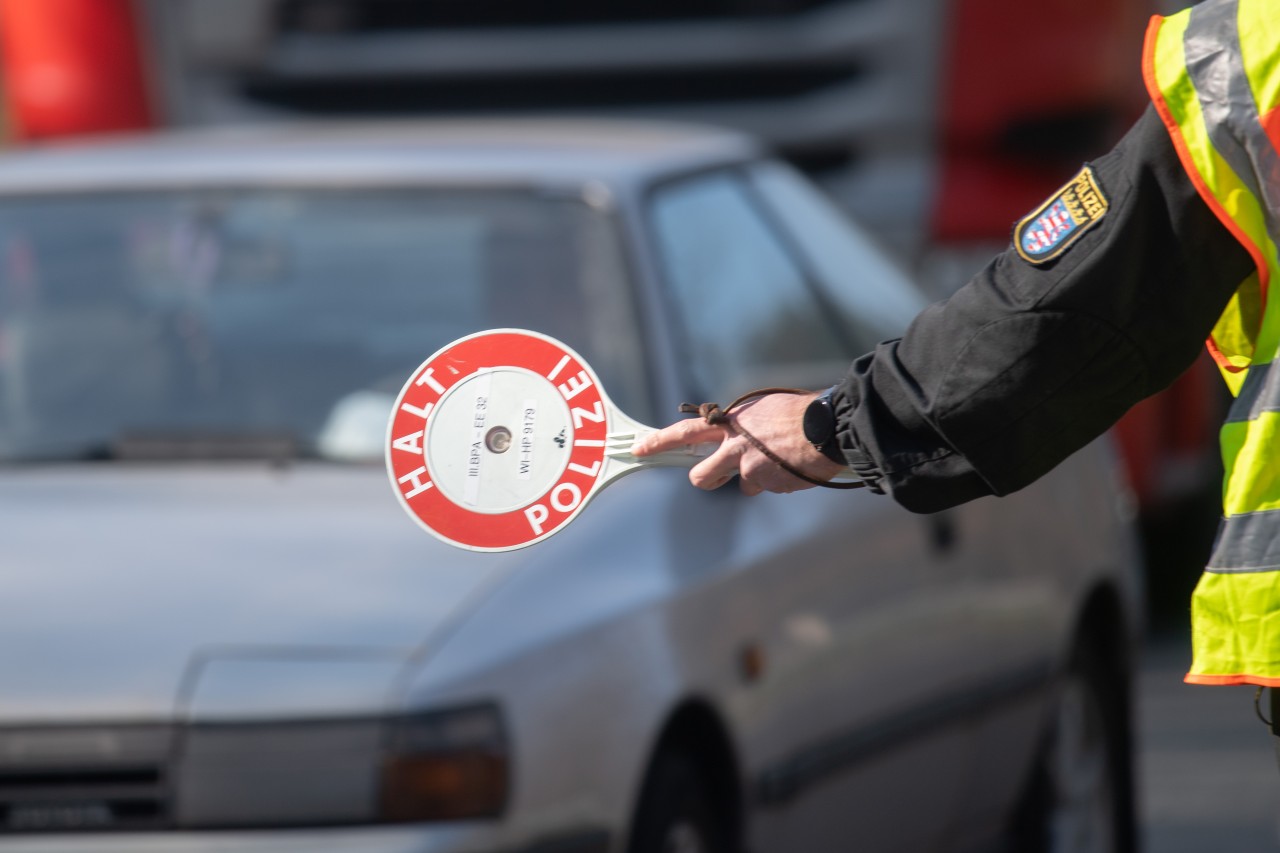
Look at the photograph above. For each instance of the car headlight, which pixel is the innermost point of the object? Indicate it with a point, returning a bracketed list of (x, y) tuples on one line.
[(446, 765)]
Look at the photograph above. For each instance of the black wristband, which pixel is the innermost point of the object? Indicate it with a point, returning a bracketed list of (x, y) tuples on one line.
[(820, 427)]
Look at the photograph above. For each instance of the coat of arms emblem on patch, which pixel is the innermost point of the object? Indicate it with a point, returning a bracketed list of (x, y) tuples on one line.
[(1060, 221)]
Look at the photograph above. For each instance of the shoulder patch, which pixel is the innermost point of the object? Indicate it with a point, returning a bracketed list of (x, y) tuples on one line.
[(1060, 221)]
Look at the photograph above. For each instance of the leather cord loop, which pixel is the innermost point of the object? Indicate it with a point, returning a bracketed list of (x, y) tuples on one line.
[(716, 416)]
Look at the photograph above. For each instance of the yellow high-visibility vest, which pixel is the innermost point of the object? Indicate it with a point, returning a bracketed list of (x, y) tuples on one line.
[(1213, 72)]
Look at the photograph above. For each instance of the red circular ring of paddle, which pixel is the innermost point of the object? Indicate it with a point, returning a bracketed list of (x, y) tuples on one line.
[(409, 468)]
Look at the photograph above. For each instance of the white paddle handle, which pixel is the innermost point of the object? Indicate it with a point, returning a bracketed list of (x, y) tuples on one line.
[(619, 446), (625, 432)]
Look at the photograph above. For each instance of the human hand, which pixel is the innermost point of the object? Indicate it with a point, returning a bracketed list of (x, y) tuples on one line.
[(776, 420)]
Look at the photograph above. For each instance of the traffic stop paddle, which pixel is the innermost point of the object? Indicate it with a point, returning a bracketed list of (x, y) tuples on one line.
[(502, 437)]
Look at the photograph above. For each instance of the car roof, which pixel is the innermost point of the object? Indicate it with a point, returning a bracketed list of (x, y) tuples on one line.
[(537, 152)]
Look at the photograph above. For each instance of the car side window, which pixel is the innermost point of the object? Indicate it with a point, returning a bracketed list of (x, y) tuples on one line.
[(749, 316), (876, 299)]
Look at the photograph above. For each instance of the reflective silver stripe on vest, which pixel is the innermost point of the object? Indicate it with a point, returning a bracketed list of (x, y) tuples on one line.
[(1259, 393), (1211, 49), (1247, 543)]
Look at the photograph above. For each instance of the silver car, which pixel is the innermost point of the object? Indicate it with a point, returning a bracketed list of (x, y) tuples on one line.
[(222, 633)]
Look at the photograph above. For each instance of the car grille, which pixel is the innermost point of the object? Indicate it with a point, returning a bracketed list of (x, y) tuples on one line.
[(64, 779), (327, 16), (336, 95), (347, 57)]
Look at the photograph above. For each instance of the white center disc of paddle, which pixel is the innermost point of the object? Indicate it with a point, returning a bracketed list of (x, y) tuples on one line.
[(500, 439)]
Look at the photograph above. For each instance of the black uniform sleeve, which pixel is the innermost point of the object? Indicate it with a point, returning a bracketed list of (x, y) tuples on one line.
[(1027, 363)]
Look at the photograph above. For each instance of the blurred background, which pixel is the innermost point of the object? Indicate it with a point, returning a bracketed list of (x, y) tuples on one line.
[(935, 124)]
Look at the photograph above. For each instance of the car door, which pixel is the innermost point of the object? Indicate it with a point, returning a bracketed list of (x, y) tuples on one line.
[(1011, 561), (868, 618)]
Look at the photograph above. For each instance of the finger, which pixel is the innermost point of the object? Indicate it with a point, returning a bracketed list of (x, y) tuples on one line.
[(750, 489), (718, 468), (678, 436)]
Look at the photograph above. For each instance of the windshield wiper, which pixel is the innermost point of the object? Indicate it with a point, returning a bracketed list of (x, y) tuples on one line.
[(204, 445)]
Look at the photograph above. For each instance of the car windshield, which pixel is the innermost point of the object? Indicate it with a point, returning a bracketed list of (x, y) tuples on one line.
[(225, 323)]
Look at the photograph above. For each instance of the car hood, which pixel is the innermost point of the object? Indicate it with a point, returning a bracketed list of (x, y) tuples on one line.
[(204, 592)]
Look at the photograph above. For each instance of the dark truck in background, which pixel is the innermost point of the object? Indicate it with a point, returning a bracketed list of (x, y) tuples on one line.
[(935, 122)]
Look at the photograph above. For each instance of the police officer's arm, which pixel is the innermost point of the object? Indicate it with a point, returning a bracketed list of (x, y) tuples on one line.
[(1029, 361)]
